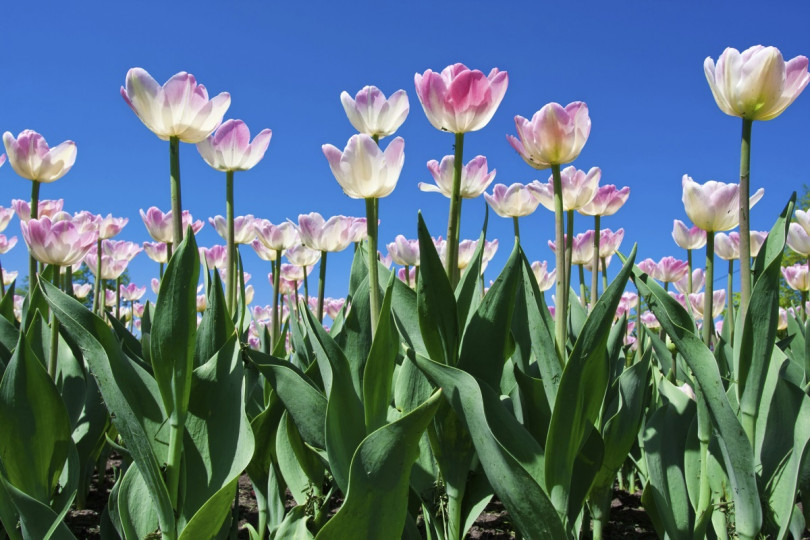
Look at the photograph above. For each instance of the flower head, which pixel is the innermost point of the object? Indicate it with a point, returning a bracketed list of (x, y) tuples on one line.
[(180, 108), (686, 238), (301, 255), (403, 251), (578, 188), (276, 237), (475, 177), (243, 228), (555, 135), (517, 200), (371, 113), (5, 216), (797, 277), (229, 147), (31, 158), (545, 279), (458, 99), (157, 251), (363, 169), (714, 206), (45, 208), (606, 202), (798, 237), (7, 243), (333, 234), (757, 83), (59, 243), (159, 225)]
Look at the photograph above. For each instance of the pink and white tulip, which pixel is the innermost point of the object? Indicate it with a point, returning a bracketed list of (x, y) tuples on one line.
[(215, 256), (403, 251), (32, 158), (59, 243), (545, 279), (229, 147), (243, 228), (698, 280), (554, 136), (7, 243), (333, 234), (796, 277), (718, 303), (714, 206), (82, 291), (798, 238), (157, 251), (276, 237), (578, 188), (45, 208), (301, 255), (688, 238), (159, 225), (131, 292), (475, 177), (363, 169), (606, 202), (517, 200), (371, 113), (5, 217)]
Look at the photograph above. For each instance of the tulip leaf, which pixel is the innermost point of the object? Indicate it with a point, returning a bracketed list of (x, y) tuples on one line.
[(379, 367), (294, 526), (377, 495), (7, 305), (35, 426), (355, 339), (436, 303), (345, 428), (755, 341), (305, 403), (579, 399), (509, 455), (485, 338), (139, 517), (737, 453), (216, 326), (212, 514), (37, 520), (174, 327), (130, 394), (300, 466), (468, 290), (219, 442)]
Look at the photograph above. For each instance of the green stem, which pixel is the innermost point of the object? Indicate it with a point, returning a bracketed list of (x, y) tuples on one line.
[(306, 284), (802, 309), (176, 428), (561, 311), (730, 301), (32, 262), (569, 252), (516, 226), (54, 350), (704, 430), (118, 298), (595, 264), (97, 301), (407, 275), (321, 281), (160, 271), (581, 285), (230, 255), (174, 179), (689, 263), (708, 322), (604, 273), (373, 283), (2, 283), (745, 225), (454, 220), (276, 282)]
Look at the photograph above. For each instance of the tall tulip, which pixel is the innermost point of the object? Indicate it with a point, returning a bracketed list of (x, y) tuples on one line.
[(177, 111), (514, 201), (459, 100), (365, 171), (371, 113), (554, 136), (276, 238), (475, 177), (756, 84), (688, 239)]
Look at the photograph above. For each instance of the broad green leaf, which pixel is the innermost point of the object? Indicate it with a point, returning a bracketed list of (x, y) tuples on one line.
[(216, 326), (37, 520), (35, 426), (305, 403), (174, 327), (485, 338), (580, 395), (536, 411), (355, 340), (511, 458), (379, 367), (436, 303), (7, 305), (301, 468), (738, 455), (212, 514), (130, 394), (755, 343), (376, 499), (139, 517), (294, 526), (468, 290)]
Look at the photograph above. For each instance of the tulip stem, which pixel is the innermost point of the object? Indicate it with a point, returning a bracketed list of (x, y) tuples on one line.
[(32, 262), (373, 282), (569, 251), (561, 311), (517, 228), (582, 285), (454, 221), (689, 275), (177, 206), (708, 322), (160, 266), (321, 281), (276, 282), (604, 273), (2, 283), (704, 430), (230, 251), (118, 298), (54, 350), (595, 262), (407, 275), (729, 320), (745, 225), (97, 285), (306, 284)]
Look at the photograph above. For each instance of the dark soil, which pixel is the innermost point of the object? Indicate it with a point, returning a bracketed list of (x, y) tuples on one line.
[(627, 517)]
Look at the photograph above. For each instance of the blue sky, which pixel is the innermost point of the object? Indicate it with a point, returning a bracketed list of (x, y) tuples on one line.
[(637, 64)]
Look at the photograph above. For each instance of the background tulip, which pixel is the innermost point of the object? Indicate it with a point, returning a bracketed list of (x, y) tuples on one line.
[(799, 233), (475, 178), (363, 170), (371, 113), (229, 147), (578, 188), (516, 200), (797, 277), (605, 202), (244, 230), (713, 206), (32, 158), (545, 279), (58, 243), (403, 251), (5, 217), (555, 135)]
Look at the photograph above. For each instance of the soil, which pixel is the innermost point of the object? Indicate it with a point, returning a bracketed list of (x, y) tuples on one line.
[(627, 517)]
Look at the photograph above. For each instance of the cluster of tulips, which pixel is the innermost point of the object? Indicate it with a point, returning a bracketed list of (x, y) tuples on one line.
[(428, 392)]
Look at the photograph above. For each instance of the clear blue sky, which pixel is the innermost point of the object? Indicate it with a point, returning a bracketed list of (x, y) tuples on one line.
[(637, 64)]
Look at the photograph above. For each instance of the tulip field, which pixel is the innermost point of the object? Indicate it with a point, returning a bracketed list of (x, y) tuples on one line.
[(427, 392)]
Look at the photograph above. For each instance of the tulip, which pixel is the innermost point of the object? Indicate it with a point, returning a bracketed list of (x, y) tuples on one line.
[(691, 283), (81, 291), (32, 158), (686, 238), (782, 324), (8, 277), (215, 256), (460, 100), (513, 201), (363, 169), (545, 279), (244, 230), (581, 252), (796, 277), (798, 234), (466, 250), (756, 84), (5, 216), (554, 136), (159, 225), (7, 243), (333, 306), (131, 292), (475, 177), (156, 251), (155, 284), (47, 208), (359, 229), (110, 226), (374, 115), (325, 235), (711, 206), (408, 275), (578, 188), (727, 247), (57, 243), (229, 148), (648, 319), (697, 300), (301, 255), (403, 251), (262, 251), (276, 237)]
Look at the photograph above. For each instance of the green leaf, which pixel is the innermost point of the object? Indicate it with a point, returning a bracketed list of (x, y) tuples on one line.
[(485, 338), (580, 395), (511, 458), (379, 368), (212, 514), (300, 466), (7, 305), (737, 454), (216, 326), (305, 403), (35, 426), (130, 394), (436, 303), (376, 499), (139, 516), (294, 526), (37, 520), (174, 327), (468, 290)]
